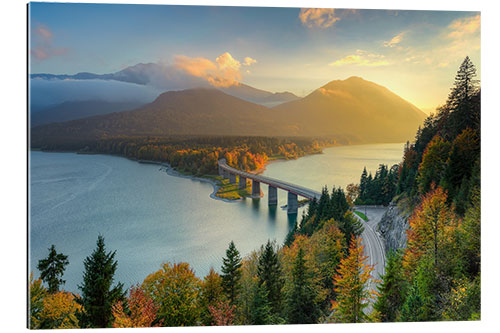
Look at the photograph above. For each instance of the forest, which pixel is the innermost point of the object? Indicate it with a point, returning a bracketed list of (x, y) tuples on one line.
[(199, 155), (320, 274)]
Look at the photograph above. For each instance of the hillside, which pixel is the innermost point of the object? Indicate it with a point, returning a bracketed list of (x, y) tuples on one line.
[(78, 109), (354, 107), (351, 111), (194, 112)]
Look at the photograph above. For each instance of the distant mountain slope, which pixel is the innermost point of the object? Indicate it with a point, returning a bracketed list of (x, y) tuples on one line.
[(351, 111), (78, 109), (162, 77), (354, 107), (195, 111)]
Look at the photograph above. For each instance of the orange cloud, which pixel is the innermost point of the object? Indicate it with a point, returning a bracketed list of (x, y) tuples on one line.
[(361, 58), (465, 26), (318, 17), (44, 47), (249, 61), (224, 72), (395, 40)]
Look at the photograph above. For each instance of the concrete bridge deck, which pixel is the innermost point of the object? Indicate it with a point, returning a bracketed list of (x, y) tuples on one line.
[(293, 190)]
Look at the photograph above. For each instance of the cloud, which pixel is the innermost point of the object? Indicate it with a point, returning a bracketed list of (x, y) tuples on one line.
[(395, 40), (361, 58), (43, 44), (465, 26), (318, 17), (249, 61), (224, 72)]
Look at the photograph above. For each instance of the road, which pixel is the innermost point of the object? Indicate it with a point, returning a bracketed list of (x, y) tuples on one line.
[(372, 242), (296, 189)]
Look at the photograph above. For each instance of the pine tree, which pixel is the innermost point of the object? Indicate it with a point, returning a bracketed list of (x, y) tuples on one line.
[(98, 296), (231, 273), (302, 308), (351, 286), (269, 274), (52, 268), (260, 312), (392, 289), (413, 307), (362, 185)]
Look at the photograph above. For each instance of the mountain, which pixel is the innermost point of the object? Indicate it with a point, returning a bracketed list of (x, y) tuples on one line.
[(168, 78), (354, 107), (78, 109), (194, 112), (259, 96), (352, 111)]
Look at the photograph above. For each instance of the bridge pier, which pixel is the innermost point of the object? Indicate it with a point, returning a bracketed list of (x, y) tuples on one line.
[(225, 174), (293, 203), (242, 183), (256, 189), (272, 195), (232, 178)]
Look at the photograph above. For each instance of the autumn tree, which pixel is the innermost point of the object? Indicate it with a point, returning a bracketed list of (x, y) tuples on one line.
[(59, 311), (351, 281), (269, 274), (211, 295), (98, 293), (433, 166), (52, 268), (37, 293), (175, 290), (353, 191), (231, 273), (430, 226), (142, 311), (222, 313), (301, 303)]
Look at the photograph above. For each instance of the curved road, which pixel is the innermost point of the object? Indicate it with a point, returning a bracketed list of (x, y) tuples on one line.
[(372, 242)]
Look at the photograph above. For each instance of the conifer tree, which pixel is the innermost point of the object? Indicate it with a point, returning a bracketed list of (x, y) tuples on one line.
[(231, 273), (52, 268), (392, 289), (351, 286), (261, 311), (269, 273), (413, 307), (302, 308), (98, 295)]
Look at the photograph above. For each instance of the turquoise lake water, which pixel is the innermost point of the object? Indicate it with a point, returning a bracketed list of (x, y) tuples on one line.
[(150, 217)]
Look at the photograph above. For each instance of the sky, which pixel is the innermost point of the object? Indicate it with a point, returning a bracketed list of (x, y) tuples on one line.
[(413, 53)]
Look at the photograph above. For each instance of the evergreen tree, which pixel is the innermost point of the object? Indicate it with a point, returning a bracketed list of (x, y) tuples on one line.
[(362, 184), (98, 296), (231, 273), (302, 308), (260, 312), (269, 274), (413, 307), (52, 268), (392, 289)]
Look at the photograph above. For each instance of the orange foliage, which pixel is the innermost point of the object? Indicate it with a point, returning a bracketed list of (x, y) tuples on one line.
[(430, 225), (142, 311), (59, 311)]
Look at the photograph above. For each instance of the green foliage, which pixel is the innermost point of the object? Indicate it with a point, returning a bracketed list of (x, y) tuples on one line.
[(231, 273), (378, 190), (269, 275), (52, 268), (175, 290), (301, 302), (392, 290), (37, 293), (261, 310), (464, 301), (434, 164), (413, 307), (98, 295)]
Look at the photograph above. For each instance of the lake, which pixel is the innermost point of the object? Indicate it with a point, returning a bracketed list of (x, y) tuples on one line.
[(150, 217)]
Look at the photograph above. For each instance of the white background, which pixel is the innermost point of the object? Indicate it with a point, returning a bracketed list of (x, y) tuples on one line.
[(13, 200)]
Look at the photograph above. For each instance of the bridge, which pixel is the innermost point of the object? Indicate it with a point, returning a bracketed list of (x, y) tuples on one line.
[(294, 191)]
